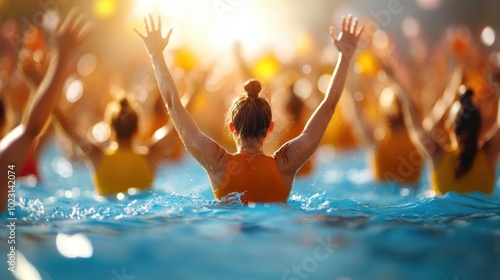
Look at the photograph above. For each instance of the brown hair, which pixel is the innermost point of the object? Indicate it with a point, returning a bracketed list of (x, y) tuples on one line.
[(251, 114), (123, 118), (393, 113), (293, 104), (467, 126)]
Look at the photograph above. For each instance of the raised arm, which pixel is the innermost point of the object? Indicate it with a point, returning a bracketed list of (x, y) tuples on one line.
[(69, 35), (14, 146), (34, 73), (293, 154), (206, 151), (435, 118), (361, 124), (91, 151), (420, 137)]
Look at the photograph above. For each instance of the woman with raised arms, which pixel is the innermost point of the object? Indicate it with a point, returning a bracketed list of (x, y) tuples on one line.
[(259, 178)]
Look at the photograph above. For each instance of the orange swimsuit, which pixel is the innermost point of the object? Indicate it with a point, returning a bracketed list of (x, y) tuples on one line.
[(396, 158), (257, 177)]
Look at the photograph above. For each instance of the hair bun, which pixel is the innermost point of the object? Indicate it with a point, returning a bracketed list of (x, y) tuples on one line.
[(124, 102), (252, 88)]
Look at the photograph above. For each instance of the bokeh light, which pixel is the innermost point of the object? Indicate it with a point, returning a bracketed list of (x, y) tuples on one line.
[(105, 8), (86, 64), (306, 69), (266, 68), (100, 132), (387, 97), (303, 88), (380, 39), (323, 82), (488, 36), (429, 4), (24, 269), (74, 91), (366, 64), (411, 27), (74, 246), (62, 166)]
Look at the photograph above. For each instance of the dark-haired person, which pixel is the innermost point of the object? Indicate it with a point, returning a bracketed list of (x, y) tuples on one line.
[(122, 165), (258, 177), (466, 166), (14, 147)]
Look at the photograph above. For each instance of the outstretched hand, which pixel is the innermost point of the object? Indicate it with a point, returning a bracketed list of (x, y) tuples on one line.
[(347, 40), (33, 70), (154, 41), (390, 63), (71, 33)]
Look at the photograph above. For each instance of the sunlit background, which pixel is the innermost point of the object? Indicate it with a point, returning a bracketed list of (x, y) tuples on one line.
[(258, 24), (213, 25), (273, 36), (287, 30)]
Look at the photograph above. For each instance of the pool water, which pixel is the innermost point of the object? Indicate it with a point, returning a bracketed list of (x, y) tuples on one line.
[(338, 224)]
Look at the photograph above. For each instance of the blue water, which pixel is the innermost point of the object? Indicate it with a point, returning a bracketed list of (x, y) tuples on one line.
[(338, 224)]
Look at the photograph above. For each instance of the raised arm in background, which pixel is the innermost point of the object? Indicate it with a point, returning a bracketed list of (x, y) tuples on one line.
[(166, 136), (421, 138), (293, 154), (88, 151), (436, 117), (14, 147), (361, 124)]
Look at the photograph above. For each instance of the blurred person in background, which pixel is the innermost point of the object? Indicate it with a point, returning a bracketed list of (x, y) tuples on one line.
[(15, 145)]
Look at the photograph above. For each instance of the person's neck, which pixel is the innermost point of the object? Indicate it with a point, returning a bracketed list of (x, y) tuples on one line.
[(124, 144), (250, 146)]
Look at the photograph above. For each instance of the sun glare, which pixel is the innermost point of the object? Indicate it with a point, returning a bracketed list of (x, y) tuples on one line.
[(213, 26), (242, 26)]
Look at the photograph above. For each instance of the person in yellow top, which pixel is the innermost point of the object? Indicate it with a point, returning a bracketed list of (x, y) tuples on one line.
[(121, 166), (467, 166), (393, 157), (15, 145), (260, 177)]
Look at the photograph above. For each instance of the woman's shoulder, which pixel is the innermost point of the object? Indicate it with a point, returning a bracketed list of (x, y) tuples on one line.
[(115, 150), (141, 150)]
